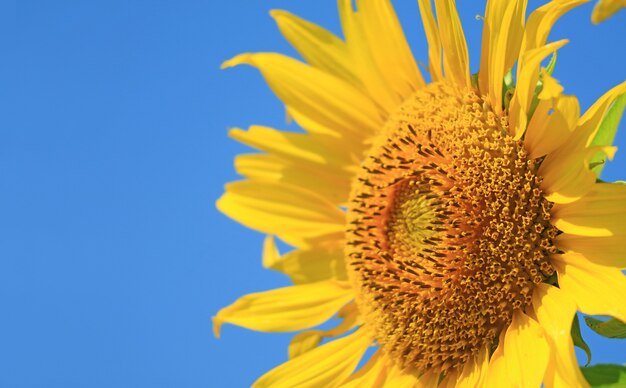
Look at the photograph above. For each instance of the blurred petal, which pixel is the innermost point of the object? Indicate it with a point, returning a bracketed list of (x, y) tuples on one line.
[(289, 212), (604, 9), (308, 340), (399, 379), (319, 47), (372, 374), (308, 265), (272, 168), (319, 96), (321, 163)]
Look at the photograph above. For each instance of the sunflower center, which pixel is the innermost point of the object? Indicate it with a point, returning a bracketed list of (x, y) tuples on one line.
[(448, 230)]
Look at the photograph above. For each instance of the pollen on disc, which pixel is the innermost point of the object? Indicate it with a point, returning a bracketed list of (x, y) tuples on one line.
[(448, 230)]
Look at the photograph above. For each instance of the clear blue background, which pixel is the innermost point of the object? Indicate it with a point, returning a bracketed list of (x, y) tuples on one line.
[(113, 150)]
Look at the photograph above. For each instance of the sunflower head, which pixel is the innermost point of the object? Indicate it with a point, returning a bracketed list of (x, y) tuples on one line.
[(456, 224), (448, 230)]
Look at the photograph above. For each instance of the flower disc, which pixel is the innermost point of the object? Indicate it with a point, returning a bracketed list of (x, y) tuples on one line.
[(448, 230)]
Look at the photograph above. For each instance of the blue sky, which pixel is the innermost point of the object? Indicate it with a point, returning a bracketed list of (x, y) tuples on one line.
[(113, 150)]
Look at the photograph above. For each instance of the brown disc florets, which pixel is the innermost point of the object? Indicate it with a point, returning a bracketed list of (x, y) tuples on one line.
[(448, 230)]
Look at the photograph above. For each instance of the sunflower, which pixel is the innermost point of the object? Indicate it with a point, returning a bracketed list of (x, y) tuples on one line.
[(456, 223)]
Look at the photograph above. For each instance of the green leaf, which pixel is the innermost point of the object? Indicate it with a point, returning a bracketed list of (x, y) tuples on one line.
[(605, 375), (613, 328), (606, 133), (552, 279), (474, 79), (508, 89), (508, 80), (577, 337), (551, 64)]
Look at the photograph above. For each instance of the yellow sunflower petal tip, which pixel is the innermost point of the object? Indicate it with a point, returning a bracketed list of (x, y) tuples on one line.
[(551, 88), (270, 252), (217, 325), (241, 59), (277, 13), (610, 151), (604, 9), (614, 151)]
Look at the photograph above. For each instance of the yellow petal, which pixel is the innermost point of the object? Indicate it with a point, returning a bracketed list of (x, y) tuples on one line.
[(372, 374), (363, 60), (428, 379), (449, 381), (318, 46), (590, 122), (494, 11), (526, 352), (596, 289), (286, 309), (304, 342), (311, 265), (497, 51), (515, 35), (551, 88), (389, 47), (609, 251), (605, 9), (321, 97), (547, 131), (502, 37), (527, 77), (542, 19), (326, 366), (497, 374), (555, 312), (265, 167), (455, 56), (434, 41), (566, 174), (289, 212), (536, 33), (397, 378), (308, 340), (313, 149), (271, 255), (318, 161), (601, 212), (260, 166), (474, 371)]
